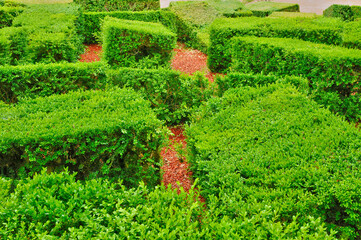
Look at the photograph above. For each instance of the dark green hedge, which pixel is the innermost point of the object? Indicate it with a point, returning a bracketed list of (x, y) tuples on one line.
[(273, 148), (118, 5), (172, 95), (356, 10), (334, 72), (131, 43), (112, 133), (7, 14), (31, 81), (56, 206), (14, 45), (93, 20), (264, 9), (339, 11), (222, 30)]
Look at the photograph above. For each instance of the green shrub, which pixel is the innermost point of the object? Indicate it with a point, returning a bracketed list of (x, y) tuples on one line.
[(222, 30), (237, 79), (116, 5), (333, 72), (271, 147), (339, 11), (7, 14), (172, 95), (93, 20), (128, 43), (5, 53), (264, 9), (228, 7), (351, 35), (356, 10), (112, 133), (294, 15), (17, 40), (31, 81)]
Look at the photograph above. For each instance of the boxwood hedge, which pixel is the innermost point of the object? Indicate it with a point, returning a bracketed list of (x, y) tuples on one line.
[(333, 72), (7, 14), (264, 9), (272, 147), (118, 5), (109, 133)]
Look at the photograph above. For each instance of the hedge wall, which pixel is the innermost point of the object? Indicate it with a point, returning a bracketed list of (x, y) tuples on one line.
[(106, 133), (264, 9), (272, 148), (7, 14), (93, 20), (334, 72), (118, 5), (343, 12), (13, 45), (132, 43), (222, 30), (30, 81)]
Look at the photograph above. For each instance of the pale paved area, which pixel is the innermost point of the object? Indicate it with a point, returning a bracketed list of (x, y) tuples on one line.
[(313, 6)]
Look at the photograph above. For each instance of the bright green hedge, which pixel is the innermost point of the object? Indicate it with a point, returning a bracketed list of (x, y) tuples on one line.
[(272, 147), (93, 20), (118, 5), (30, 81), (112, 133), (264, 9), (130, 43), (172, 95), (343, 12), (17, 43), (7, 14), (56, 206), (294, 15), (53, 32), (325, 30), (334, 72)]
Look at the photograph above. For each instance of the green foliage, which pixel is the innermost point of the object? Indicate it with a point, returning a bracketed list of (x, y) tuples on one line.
[(321, 30), (352, 35), (272, 148), (30, 81), (53, 32), (118, 5), (228, 7), (334, 72), (264, 9), (93, 20), (17, 41), (339, 11), (128, 43), (356, 10), (294, 15), (7, 14), (108, 133), (56, 206), (172, 95)]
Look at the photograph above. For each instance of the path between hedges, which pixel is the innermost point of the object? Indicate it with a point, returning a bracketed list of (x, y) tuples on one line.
[(175, 167)]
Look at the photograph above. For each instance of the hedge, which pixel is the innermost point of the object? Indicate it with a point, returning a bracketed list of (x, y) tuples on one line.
[(222, 30), (264, 9), (7, 14), (173, 95), (53, 32), (343, 12), (356, 10), (294, 15), (131, 43), (272, 147), (57, 206), (116, 5), (351, 35), (15, 41), (111, 133), (333, 72), (30, 81), (93, 20)]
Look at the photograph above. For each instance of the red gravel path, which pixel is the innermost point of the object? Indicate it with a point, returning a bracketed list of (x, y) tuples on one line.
[(92, 53)]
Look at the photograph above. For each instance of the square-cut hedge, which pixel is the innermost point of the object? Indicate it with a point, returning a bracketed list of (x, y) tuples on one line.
[(334, 72), (17, 43), (118, 5), (273, 148), (129, 43), (106, 133), (92, 21), (325, 30), (7, 14), (264, 9), (339, 11)]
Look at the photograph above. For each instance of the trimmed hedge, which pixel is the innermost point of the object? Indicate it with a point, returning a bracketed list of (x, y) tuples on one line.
[(222, 30), (57, 206), (264, 9), (132, 43), (271, 147), (7, 14), (339, 11), (172, 95), (108, 133), (30, 81), (334, 72), (118, 5), (356, 10), (294, 15), (93, 20), (352, 35), (16, 41)]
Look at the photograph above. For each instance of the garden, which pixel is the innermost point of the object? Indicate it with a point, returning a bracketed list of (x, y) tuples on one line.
[(215, 119)]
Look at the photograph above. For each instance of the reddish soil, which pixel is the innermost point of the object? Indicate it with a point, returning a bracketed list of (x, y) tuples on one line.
[(92, 53)]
